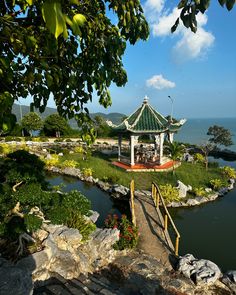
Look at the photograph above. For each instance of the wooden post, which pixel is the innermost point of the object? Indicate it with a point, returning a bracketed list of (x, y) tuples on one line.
[(132, 202), (158, 200), (177, 246), (166, 222)]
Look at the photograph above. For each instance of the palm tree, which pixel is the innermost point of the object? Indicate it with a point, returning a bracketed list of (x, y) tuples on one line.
[(176, 151)]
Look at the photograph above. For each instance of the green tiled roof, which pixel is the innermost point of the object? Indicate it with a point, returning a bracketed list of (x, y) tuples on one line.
[(146, 120)]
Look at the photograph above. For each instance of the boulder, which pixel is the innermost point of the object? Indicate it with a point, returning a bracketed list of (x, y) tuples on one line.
[(229, 279), (93, 217), (192, 202), (183, 189), (212, 197), (201, 271), (119, 191), (223, 191)]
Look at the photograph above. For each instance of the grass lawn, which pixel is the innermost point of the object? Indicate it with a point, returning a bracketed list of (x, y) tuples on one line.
[(190, 174)]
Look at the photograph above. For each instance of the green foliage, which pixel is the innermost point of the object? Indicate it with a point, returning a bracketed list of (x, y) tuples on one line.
[(128, 232), (199, 158), (169, 193), (5, 148), (87, 172), (79, 149), (55, 125), (213, 165), (70, 49), (175, 150), (69, 163), (189, 10), (228, 172), (199, 191), (32, 122), (220, 135), (22, 166), (52, 161), (217, 183), (32, 222)]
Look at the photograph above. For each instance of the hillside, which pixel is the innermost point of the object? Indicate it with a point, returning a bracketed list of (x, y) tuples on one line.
[(116, 118)]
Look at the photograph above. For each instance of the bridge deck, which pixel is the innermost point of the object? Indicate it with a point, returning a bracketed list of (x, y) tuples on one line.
[(153, 239)]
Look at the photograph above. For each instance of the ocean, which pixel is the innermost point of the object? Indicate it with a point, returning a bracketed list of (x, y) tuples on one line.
[(195, 130)]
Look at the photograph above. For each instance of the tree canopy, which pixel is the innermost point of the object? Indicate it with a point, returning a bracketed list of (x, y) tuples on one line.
[(220, 135), (70, 49), (55, 125), (32, 122)]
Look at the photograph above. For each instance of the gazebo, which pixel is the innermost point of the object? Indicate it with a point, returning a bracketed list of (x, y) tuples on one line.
[(146, 121)]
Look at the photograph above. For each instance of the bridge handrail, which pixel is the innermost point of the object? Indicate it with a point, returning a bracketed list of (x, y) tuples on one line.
[(156, 198), (132, 202)]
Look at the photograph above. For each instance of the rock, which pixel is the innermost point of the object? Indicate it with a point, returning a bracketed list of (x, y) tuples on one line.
[(103, 185), (60, 154), (14, 280), (71, 171), (200, 271), (192, 202), (229, 279), (208, 189), (67, 238), (71, 152), (183, 189), (93, 217), (174, 204), (213, 197), (120, 189), (48, 156), (41, 235), (223, 191), (32, 263), (89, 179)]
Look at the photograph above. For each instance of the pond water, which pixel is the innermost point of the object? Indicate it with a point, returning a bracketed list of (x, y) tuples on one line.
[(100, 200), (209, 231)]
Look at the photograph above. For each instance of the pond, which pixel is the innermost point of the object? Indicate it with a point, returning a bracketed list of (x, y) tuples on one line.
[(100, 200), (209, 231)]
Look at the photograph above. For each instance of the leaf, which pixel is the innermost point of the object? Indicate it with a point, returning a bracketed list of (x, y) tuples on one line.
[(230, 4), (222, 2), (30, 2), (79, 19), (182, 4), (174, 27), (53, 18)]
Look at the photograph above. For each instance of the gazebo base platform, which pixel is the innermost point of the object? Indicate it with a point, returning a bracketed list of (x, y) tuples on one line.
[(147, 167)]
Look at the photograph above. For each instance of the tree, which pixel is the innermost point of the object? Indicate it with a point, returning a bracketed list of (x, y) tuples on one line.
[(190, 8), (176, 151), (206, 148), (55, 125), (101, 127), (69, 49), (220, 136), (32, 122)]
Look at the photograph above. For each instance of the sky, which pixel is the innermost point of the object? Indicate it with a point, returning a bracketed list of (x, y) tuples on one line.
[(198, 71)]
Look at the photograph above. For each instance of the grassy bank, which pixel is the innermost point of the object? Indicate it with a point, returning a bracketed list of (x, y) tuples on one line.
[(190, 174)]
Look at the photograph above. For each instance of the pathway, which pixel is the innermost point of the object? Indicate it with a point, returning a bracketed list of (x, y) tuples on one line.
[(153, 239)]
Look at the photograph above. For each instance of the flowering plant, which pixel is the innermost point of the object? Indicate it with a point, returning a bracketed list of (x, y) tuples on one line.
[(128, 232)]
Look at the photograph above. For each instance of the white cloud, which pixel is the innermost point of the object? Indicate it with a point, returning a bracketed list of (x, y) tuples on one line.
[(189, 45), (159, 82)]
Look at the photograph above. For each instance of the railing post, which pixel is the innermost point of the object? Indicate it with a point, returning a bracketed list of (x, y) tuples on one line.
[(132, 202), (157, 200), (166, 222), (177, 246)]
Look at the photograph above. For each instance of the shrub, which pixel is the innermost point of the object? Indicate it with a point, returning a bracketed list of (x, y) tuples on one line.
[(169, 193), (111, 178), (78, 149), (69, 164), (5, 148), (199, 191), (128, 232), (68, 140), (199, 158), (87, 172), (53, 161), (229, 172), (217, 183)]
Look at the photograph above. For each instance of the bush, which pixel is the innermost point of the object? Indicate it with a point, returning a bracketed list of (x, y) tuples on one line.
[(217, 183), (128, 232), (67, 140), (199, 191), (78, 149), (69, 164), (53, 161), (228, 172), (199, 158), (169, 193), (87, 172), (111, 178), (5, 148)]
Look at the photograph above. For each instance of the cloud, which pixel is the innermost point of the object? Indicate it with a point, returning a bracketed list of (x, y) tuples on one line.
[(189, 45), (159, 82)]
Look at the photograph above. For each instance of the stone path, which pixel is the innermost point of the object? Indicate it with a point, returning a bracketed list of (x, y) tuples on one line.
[(153, 240)]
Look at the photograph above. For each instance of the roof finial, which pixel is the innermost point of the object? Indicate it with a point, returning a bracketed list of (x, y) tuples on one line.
[(146, 98)]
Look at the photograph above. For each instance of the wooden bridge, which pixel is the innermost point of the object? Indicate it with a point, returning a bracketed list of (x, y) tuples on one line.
[(152, 217)]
